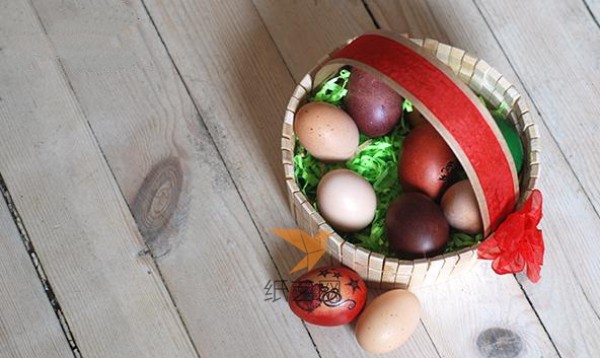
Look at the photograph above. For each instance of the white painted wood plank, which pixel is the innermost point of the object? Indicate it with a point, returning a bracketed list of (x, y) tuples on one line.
[(463, 314), (209, 253), (593, 7), (314, 20), (407, 17), (566, 299), (241, 90), (28, 325), (113, 298)]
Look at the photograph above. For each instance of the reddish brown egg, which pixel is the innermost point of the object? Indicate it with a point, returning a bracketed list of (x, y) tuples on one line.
[(328, 296), (415, 118), (426, 161), (373, 105), (416, 226)]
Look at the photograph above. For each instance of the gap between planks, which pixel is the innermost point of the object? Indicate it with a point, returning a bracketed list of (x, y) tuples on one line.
[(39, 269), (591, 12)]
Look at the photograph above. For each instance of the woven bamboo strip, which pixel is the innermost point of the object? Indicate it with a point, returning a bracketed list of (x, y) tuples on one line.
[(288, 125), (286, 143), (479, 76), (511, 96), (431, 45), (288, 170), (435, 267), (443, 53), (307, 82), (450, 261), (466, 261), (375, 269), (489, 85), (348, 254), (293, 104), (361, 262), (299, 92), (419, 272), (467, 67), (419, 42), (390, 268), (404, 274), (456, 59), (334, 246), (287, 156), (498, 96), (308, 214)]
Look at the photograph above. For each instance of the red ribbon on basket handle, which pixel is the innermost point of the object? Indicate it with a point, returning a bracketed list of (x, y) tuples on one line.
[(518, 243)]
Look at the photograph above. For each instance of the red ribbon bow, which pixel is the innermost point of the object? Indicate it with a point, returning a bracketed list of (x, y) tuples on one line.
[(518, 242)]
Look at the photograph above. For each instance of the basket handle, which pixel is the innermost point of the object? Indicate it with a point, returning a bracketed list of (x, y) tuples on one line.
[(450, 106)]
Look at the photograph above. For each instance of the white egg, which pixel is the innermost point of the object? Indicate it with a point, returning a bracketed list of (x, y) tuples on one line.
[(346, 200)]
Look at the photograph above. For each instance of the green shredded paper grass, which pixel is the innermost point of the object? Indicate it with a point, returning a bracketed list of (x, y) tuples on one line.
[(376, 161)]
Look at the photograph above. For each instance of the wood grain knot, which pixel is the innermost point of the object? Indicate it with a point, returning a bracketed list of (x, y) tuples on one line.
[(157, 198), (499, 343)]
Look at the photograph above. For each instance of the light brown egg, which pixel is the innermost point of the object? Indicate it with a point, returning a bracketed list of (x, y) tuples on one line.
[(327, 132), (460, 208), (346, 200), (388, 321)]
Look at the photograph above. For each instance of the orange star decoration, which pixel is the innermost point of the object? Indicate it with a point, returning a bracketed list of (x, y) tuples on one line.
[(313, 247)]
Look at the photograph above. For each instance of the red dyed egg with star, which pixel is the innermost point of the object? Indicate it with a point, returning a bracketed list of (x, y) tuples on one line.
[(328, 296)]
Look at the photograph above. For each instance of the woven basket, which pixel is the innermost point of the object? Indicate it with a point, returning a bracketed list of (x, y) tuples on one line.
[(386, 272)]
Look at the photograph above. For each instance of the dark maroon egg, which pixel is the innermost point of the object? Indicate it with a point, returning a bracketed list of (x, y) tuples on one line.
[(416, 226), (374, 106), (426, 162)]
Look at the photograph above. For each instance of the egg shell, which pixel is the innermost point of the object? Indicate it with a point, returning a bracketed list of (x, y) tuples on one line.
[(459, 205), (327, 132), (415, 226), (346, 200), (426, 162), (513, 141), (373, 105), (388, 321), (328, 296), (415, 118)]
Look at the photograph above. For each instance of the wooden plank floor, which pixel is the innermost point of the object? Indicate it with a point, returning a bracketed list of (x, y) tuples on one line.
[(140, 167)]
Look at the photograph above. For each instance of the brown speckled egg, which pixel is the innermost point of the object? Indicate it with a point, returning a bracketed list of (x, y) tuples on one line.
[(415, 226), (346, 200), (426, 161), (388, 321), (327, 132), (373, 105), (460, 208)]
